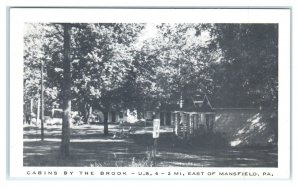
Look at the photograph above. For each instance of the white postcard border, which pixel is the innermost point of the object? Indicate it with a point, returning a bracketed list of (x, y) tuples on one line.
[(19, 16)]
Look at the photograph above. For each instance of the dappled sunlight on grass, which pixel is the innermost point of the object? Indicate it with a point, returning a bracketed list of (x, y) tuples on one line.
[(175, 155), (180, 164), (89, 147), (235, 142), (80, 140)]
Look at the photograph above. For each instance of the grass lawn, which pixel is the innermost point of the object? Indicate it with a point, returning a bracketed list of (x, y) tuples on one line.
[(89, 147)]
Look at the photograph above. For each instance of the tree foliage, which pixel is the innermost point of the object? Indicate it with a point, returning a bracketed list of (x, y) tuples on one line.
[(118, 66), (247, 75), (176, 62), (102, 65), (42, 43)]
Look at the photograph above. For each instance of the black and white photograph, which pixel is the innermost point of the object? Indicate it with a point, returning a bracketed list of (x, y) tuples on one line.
[(138, 93), (150, 94)]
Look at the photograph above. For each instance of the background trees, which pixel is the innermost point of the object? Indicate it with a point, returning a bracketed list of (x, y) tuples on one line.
[(42, 43), (177, 61), (236, 62), (103, 66), (119, 65), (247, 74)]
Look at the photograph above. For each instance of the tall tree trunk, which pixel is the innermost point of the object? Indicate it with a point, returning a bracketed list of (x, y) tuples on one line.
[(31, 111), (105, 113), (86, 112), (38, 112), (90, 113), (42, 101), (65, 140)]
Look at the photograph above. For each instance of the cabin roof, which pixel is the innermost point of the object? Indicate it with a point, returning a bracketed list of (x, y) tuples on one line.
[(196, 103)]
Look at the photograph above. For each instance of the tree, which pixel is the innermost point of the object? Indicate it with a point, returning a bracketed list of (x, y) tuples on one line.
[(102, 63), (177, 61), (66, 121), (89, 62), (42, 44), (247, 74)]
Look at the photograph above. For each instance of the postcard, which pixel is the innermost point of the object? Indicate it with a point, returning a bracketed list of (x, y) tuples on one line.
[(149, 93)]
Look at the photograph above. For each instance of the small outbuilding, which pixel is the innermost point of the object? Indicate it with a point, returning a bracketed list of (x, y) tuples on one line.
[(190, 117), (194, 116)]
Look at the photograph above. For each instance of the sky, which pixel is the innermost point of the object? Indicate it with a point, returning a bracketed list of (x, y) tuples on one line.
[(150, 32)]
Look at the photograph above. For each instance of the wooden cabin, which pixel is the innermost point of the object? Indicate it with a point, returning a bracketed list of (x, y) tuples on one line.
[(195, 117), (191, 116)]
